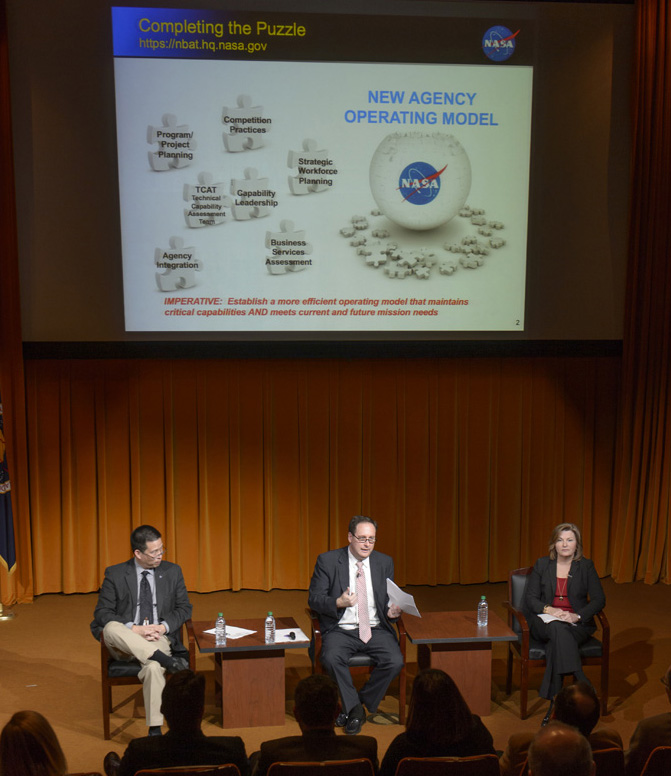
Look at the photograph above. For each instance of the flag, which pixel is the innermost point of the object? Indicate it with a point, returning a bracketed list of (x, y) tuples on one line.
[(7, 548)]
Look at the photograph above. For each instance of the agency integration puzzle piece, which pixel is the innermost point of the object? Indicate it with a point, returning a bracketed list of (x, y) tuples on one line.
[(313, 165), (175, 144), (209, 203), (245, 126), (179, 264), (289, 248), (252, 197)]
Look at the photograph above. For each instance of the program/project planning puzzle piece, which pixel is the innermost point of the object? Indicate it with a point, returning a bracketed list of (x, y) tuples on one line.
[(246, 128), (252, 196), (175, 144), (289, 250), (315, 169), (210, 204), (179, 265)]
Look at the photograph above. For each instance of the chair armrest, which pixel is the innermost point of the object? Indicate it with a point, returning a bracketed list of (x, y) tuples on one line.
[(605, 630), (401, 635), (513, 611), (316, 630), (191, 643)]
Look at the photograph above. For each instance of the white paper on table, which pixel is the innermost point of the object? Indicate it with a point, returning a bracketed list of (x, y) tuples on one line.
[(282, 634), (552, 617), (403, 600), (233, 632)]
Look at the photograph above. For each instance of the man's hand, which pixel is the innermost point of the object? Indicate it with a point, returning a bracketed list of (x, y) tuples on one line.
[(394, 611), (149, 632), (346, 600)]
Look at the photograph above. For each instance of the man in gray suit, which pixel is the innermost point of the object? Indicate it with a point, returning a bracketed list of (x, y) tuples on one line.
[(348, 591), (142, 605)]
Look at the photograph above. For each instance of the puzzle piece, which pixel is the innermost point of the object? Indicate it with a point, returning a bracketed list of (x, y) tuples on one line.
[(253, 198), (289, 249), (179, 264), (315, 169), (245, 124), (209, 203), (175, 144)]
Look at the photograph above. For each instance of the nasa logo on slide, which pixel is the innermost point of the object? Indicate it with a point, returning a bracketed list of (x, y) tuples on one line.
[(420, 180), (498, 43)]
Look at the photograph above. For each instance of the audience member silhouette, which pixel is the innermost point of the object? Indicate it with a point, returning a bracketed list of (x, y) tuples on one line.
[(649, 734), (29, 747), (560, 750), (440, 724)]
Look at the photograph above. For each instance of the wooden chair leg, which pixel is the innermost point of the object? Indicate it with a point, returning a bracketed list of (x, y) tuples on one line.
[(509, 671), (107, 708), (524, 688), (402, 682)]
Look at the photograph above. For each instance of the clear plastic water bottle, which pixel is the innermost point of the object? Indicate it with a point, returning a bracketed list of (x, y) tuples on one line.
[(483, 612), (220, 631), (270, 629)]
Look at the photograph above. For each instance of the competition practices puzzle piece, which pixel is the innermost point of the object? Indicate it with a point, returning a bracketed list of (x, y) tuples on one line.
[(246, 128), (179, 264), (251, 196), (209, 203), (316, 171), (289, 249), (175, 144)]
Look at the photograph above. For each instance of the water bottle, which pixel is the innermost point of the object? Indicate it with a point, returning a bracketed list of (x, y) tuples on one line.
[(483, 611), (220, 631), (270, 629)]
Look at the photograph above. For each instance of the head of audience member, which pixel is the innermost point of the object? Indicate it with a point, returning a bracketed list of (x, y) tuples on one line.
[(29, 747), (147, 546), (438, 714), (316, 703), (361, 534), (577, 705), (183, 701), (560, 750)]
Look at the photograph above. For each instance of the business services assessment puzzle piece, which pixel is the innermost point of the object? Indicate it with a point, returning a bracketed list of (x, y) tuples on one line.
[(176, 144), (289, 249), (246, 127), (209, 203), (179, 264)]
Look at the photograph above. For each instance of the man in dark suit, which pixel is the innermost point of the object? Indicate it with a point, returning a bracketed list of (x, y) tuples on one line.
[(184, 743), (142, 605), (348, 591), (650, 733), (316, 708)]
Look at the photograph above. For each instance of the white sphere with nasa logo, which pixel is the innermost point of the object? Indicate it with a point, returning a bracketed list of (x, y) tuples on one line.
[(420, 180)]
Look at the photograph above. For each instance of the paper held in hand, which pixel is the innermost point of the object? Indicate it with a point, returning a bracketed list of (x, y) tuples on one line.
[(551, 617), (403, 600)]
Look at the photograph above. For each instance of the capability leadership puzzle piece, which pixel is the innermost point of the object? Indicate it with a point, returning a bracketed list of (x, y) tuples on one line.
[(176, 144), (252, 197), (246, 126), (179, 263), (315, 169), (209, 203), (289, 249)]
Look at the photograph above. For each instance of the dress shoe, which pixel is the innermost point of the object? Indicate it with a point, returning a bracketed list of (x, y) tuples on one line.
[(155, 730), (341, 719), (355, 720), (548, 716), (111, 764), (175, 664)]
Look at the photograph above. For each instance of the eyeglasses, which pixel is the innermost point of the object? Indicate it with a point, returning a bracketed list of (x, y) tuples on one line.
[(155, 553), (365, 539)]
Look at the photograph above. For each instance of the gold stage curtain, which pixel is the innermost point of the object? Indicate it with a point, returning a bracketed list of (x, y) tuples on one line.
[(644, 472), (251, 468)]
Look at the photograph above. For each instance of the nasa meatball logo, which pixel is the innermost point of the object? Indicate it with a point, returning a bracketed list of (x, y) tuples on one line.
[(419, 183), (498, 43)]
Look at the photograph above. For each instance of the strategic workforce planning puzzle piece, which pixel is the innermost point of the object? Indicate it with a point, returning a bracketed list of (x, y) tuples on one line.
[(246, 128), (209, 203), (251, 196), (316, 171), (289, 249), (175, 147), (179, 263)]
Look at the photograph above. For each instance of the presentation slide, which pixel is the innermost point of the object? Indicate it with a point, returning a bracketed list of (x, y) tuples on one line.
[(273, 178)]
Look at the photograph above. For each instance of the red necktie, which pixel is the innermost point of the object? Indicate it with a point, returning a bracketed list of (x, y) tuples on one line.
[(362, 597)]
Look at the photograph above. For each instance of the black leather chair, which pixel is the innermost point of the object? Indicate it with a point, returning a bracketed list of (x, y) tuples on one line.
[(593, 652), (123, 672), (360, 662)]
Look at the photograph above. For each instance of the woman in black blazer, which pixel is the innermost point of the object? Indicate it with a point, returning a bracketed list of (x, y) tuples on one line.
[(565, 585)]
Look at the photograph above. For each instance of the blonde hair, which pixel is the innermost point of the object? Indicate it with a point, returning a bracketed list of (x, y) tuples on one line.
[(29, 747), (555, 538)]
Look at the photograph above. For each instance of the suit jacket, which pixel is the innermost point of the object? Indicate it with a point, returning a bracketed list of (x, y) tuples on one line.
[(117, 598), (583, 588), (331, 578), (649, 734), (515, 756), (183, 749), (315, 746)]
